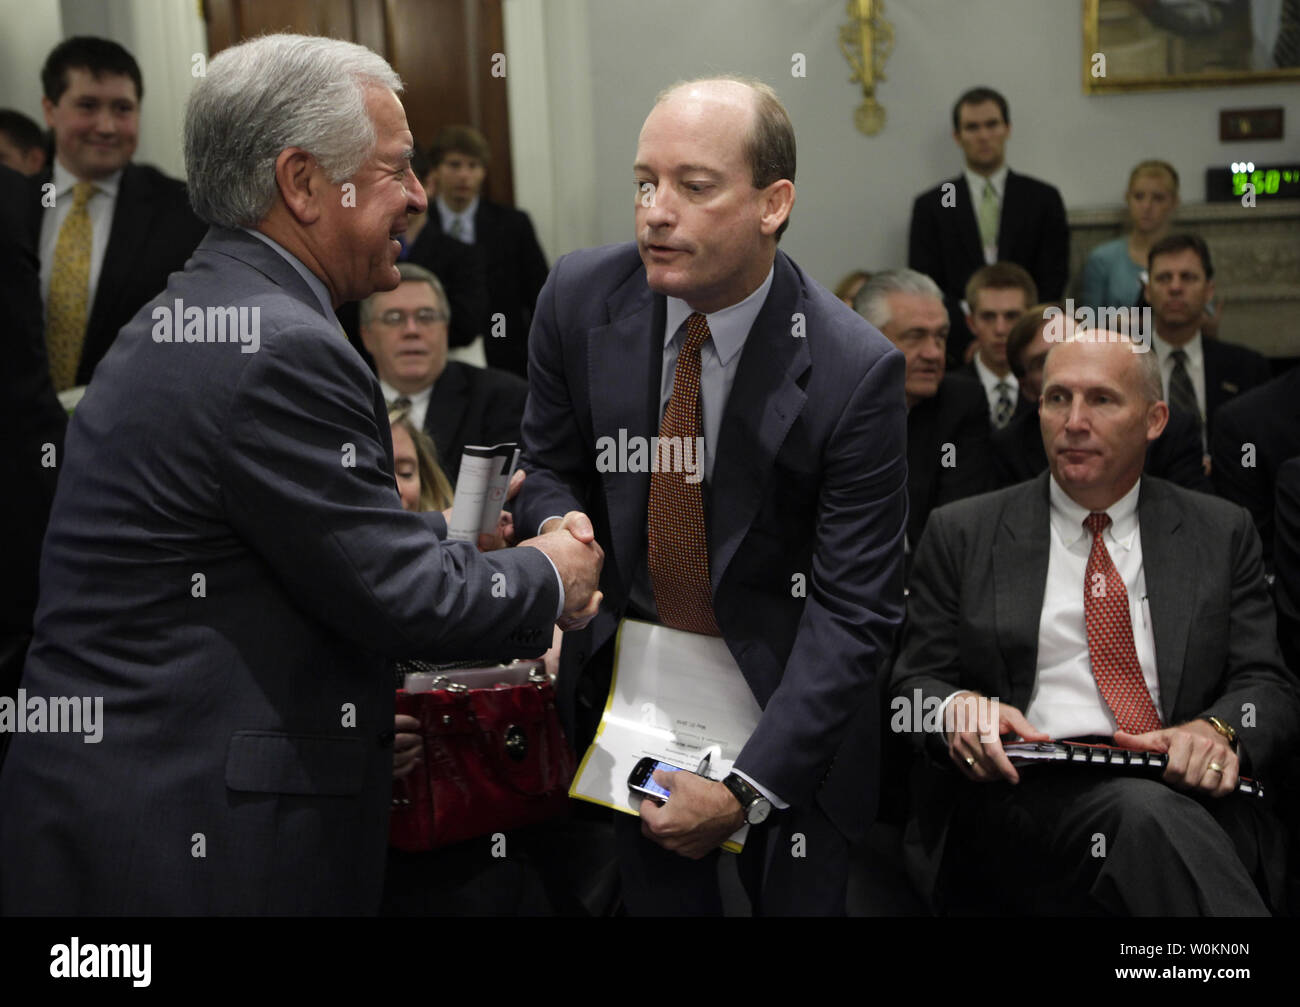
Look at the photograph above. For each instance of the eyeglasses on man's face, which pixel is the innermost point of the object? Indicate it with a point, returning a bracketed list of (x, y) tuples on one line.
[(395, 317)]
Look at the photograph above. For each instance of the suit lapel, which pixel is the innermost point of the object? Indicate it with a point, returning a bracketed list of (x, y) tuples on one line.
[(1012, 217), (1021, 547), (133, 215), (625, 364), (764, 403), (966, 224), (446, 411), (1169, 565), (1215, 391)]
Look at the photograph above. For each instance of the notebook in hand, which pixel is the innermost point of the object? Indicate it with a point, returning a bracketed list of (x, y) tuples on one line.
[(1030, 753)]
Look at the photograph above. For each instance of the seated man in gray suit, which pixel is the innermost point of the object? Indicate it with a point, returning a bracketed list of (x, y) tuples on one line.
[(1099, 605), (228, 566)]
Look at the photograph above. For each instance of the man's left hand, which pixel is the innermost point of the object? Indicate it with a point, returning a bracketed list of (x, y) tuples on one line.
[(698, 818), (1192, 748)]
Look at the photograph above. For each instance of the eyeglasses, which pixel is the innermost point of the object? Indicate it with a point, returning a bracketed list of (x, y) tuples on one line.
[(394, 317)]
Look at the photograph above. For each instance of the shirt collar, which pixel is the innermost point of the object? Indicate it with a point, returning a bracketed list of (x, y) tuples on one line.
[(976, 182), (446, 214), (1193, 349), (728, 328), (990, 380), (313, 281), (419, 398), (1067, 516), (64, 180)]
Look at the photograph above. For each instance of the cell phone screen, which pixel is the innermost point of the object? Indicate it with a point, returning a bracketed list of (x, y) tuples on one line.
[(650, 785)]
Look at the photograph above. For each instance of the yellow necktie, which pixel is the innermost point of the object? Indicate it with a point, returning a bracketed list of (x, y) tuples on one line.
[(69, 288)]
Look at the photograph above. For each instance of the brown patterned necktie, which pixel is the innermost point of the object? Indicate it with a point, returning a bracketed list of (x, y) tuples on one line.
[(66, 307), (1110, 638), (678, 547)]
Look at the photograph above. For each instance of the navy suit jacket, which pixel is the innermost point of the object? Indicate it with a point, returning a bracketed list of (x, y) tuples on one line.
[(154, 232), (472, 405), (809, 479), (229, 567)]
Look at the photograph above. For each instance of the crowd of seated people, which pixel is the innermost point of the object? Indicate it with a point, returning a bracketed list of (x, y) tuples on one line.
[(1042, 456)]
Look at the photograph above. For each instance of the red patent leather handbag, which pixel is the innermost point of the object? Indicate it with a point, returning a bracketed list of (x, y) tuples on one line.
[(494, 758)]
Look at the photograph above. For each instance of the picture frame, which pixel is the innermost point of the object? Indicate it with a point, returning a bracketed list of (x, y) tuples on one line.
[(1142, 45)]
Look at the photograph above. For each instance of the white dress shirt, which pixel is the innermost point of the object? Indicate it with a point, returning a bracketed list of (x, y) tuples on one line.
[(990, 382), (976, 183), (466, 217), (419, 402), (100, 208), (1066, 702), (1195, 367)]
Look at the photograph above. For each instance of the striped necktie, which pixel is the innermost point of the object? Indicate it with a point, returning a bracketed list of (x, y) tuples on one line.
[(1182, 393)]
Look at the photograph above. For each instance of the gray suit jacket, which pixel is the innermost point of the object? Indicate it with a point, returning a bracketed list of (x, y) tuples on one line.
[(977, 589), (228, 566), (809, 481)]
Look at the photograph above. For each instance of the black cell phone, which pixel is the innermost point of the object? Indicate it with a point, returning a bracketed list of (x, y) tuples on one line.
[(641, 779)]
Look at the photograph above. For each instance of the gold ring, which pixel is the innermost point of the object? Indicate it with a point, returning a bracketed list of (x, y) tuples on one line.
[(970, 762), (1215, 768)]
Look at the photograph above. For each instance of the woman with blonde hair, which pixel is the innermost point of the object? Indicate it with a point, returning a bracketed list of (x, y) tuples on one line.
[(421, 482), (1115, 273)]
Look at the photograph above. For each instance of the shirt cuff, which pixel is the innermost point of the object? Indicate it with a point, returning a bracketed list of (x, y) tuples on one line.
[(559, 582), (776, 801), (943, 711)]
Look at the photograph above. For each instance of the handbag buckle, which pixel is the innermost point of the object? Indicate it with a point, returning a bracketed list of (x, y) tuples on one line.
[(443, 682)]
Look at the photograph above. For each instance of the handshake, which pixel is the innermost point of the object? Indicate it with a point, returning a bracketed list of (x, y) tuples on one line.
[(570, 543)]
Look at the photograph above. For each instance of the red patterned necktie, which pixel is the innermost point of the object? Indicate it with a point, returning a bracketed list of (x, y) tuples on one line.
[(1110, 638), (678, 548)]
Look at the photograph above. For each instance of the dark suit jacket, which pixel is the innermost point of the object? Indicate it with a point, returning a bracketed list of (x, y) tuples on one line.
[(1229, 370), (153, 234), (1022, 404), (516, 270), (31, 417), (958, 414), (253, 705), (809, 479), (1175, 455), (977, 589), (1286, 561), (473, 405), (460, 269), (944, 243), (1267, 417)]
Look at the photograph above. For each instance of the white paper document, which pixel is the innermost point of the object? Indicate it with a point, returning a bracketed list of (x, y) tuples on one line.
[(675, 697), (481, 490)]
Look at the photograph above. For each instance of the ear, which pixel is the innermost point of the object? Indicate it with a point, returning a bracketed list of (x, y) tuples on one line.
[(1157, 419), (1209, 290), (368, 339), (777, 202), (300, 181), (47, 107)]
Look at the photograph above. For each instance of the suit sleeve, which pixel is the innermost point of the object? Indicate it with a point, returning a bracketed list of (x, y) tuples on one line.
[(465, 279), (308, 484), (1260, 698), (1177, 456), (554, 457), (854, 592), (930, 653), (1052, 263), (923, 251)]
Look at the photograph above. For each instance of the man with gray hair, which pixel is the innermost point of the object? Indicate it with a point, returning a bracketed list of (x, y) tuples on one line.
[(405, 330), (947, 414), (228, 564), (1098, 605)]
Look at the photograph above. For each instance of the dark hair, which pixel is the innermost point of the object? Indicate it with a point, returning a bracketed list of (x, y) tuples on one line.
[(1000, 276), (23, 132), (977, 96), (420, 164), (1172, 243), (85, 52), (458, 140), (1023, 332)]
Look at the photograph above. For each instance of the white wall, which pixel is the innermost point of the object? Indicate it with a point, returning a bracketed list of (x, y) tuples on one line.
[(855, 192)]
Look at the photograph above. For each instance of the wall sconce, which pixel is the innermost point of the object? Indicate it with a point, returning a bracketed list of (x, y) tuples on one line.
[(866, 41)]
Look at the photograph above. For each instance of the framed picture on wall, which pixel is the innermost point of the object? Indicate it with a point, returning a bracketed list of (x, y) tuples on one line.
[(1134, 45)]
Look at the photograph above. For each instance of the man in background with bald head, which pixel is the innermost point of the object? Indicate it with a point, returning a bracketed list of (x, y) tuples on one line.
[(789, 548), (1095, 604)]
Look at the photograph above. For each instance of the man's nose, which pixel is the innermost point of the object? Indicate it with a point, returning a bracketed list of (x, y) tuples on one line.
[(416, 200), (105, 121)]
